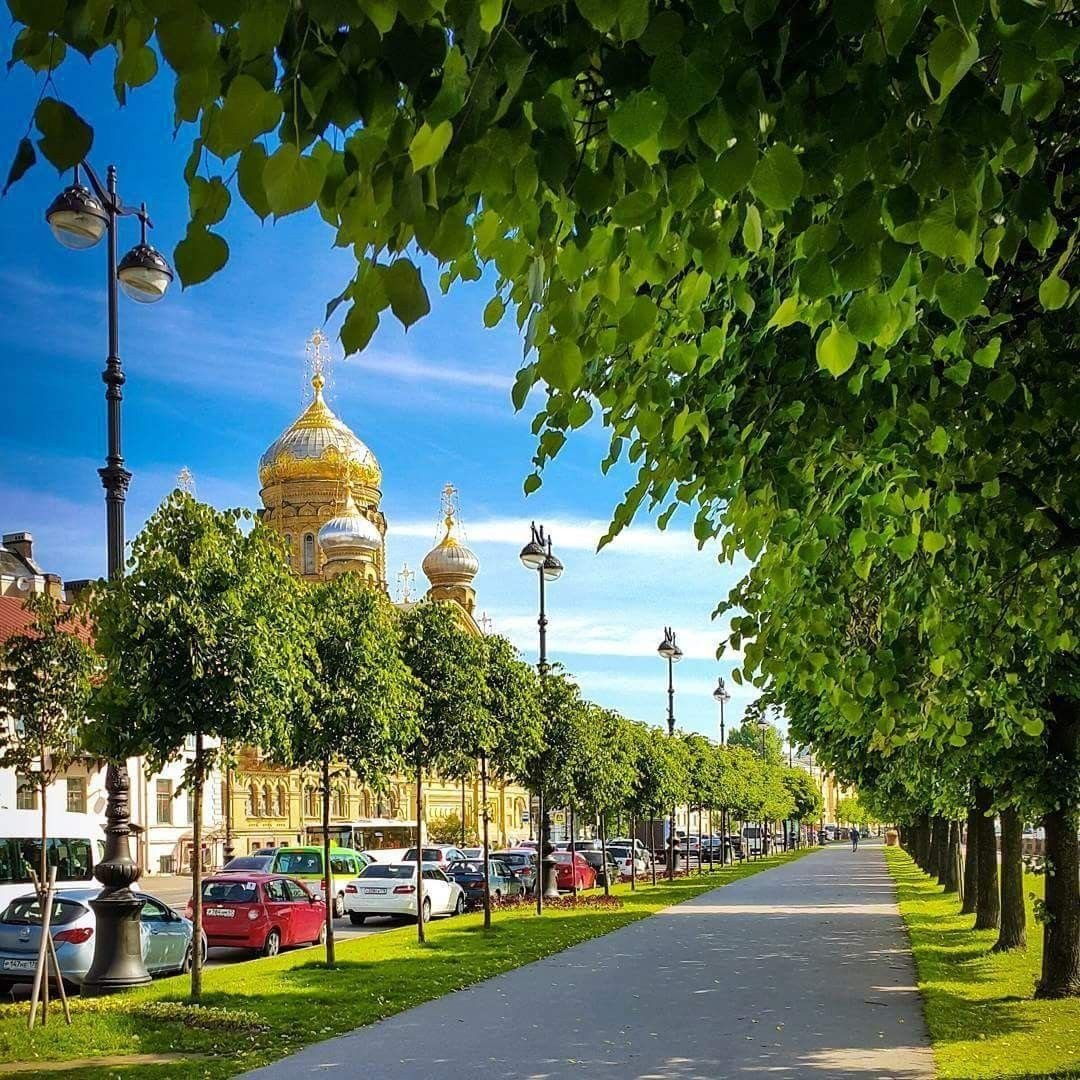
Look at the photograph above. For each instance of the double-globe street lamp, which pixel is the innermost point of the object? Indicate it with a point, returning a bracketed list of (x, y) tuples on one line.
[(670, 652), (722, 697), (537, 556), (79, 218)]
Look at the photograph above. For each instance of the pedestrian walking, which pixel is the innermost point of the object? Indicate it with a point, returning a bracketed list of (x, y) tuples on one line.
[(854, 839)]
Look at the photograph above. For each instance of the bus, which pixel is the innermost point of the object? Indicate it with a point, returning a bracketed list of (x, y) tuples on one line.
[(73, 846), (369, 834)]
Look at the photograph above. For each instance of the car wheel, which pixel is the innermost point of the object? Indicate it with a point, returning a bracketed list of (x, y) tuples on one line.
[(185, 965), (272, 945), (356, 918), (321, 939), (339, 906), (459, 907), (425, 911)]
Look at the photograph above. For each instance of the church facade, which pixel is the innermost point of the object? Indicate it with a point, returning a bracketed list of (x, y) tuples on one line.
[(321, 489)]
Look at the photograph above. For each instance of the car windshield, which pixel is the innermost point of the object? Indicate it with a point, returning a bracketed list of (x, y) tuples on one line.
[(561, 856), (461, 867), (431, 854), (230, 892), (298, 862), (27, 912), (388, 870), (248, 863), (512, 859)]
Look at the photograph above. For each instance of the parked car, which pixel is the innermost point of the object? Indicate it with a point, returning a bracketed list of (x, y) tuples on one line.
[(637, 845), (248, 864), (571, 872), (306, 864), (390, 889), (630, 864), (386, 855), (469, 875), (442, 855), (522, 864), (166, 936), (473, 852), (262, 912), (531, 845), (596, 860)]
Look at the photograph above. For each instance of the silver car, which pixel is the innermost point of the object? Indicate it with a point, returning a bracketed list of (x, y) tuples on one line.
[(166, 937)]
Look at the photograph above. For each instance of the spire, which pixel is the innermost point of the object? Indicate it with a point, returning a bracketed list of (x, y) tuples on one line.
[(185, 481), (450, 513), (318, 359), (405, 579)]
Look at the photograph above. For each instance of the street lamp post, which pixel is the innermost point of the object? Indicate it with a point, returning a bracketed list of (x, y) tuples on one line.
[(79, 217), (722, 697), (537, 555), (670, 652), (763, 723)]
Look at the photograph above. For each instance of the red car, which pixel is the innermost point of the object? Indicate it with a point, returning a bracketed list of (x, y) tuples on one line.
[(262, 912), (568, 874)]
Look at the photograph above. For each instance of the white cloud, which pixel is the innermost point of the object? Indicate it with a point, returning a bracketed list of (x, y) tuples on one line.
[(409, 369)]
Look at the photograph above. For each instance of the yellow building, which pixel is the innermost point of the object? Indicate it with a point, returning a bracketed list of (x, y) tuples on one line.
[(321, 489)]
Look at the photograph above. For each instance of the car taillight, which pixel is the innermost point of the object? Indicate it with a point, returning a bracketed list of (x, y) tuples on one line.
[(253, 914), (76, 936), (404, 889), (350, 888)]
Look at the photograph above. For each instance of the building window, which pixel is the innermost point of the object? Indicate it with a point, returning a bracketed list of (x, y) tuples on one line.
[(189, 744), (341, 803), (166, 864), (25, 794), (282, 801), (309, 553), (268, 802), (311, 802), (164, 802), (76, 794)]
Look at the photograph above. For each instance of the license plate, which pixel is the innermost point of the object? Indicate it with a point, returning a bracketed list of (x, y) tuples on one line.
[(18, 965), (374, 892), (221, 912)]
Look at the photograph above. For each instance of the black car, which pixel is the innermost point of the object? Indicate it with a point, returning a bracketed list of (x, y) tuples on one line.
[(469, 874), (596, 860)]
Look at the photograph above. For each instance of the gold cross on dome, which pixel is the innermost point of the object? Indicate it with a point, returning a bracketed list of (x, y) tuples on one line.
[(405, 579), (485, 622), (318, 359), (185, 481), (449, 501)]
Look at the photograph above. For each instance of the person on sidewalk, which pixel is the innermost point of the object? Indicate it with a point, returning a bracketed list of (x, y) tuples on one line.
[(854, 839)]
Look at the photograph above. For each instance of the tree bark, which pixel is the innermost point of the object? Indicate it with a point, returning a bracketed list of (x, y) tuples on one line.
[(988, 898), (951, 880), (971, 863), (1012, 934), (328, 880), (938, 839), (921, 852), (196, 873), (1061, 929), (487, 856), (420, 936)]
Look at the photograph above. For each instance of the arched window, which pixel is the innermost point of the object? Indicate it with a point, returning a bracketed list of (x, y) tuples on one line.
[(282, 801), (268, 801), (341, 803), (309, 553), (253, 801), (311, 802), (366, 805)]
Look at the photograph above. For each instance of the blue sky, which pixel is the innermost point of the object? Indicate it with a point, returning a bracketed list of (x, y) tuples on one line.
[(217, 371)]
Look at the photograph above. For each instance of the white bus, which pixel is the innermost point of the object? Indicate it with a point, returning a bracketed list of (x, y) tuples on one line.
[(74, 845)]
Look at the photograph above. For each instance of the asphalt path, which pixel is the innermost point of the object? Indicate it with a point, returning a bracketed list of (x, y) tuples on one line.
[(802, 972)]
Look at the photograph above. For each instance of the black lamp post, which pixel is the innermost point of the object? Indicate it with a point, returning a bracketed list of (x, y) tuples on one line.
[(537, 555), (763, 723), (79, 217), (670, 652), (722, 697)]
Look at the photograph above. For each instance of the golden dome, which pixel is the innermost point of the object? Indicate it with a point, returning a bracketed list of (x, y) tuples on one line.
[(319, 446), (350, 534), (450, 562)]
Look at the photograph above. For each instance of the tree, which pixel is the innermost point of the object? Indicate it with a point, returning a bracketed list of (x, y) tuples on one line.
[(44, 691), (851, 810), (359, 716), (448, 664), (662, 778), (806, 797), (205, 638), (748, 735), (447, 829)]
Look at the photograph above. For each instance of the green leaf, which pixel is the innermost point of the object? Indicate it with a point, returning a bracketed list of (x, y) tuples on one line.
[(751, 231), (406, 292), (637, 118), (532, 483), (382, 13), (1053, 292), (687, 83), (938, 443), (360, 324), (857, 542), (932, 542), (600, 13), (560, 363), (987, 356), (836, 349), (248, 111), (23, 160), (208, 200), (429, 144), (787, 313), (639, 320), (904, 546), (490, 14), (137, 66), (777, 179), (952, 54), (455, 85), (493, 311), (199, 255), (867, 315), (65, 137), (731, 171), (959, 295), (249, 179), (682, 359), (634, 209), (292, 181), (261, 27)]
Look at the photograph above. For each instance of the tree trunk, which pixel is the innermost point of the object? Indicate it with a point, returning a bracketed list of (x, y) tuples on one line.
[(988, 899), (941, 849), (573, 852), (463, 812), (43, 855), (487, 856), (652, 851), (921, 846), (328, 879), (196, 873), (1061, 930), (539, 877), (420, 851), (711, 841), (603, 853), (971, 863), (1013, 916), (951, 880)]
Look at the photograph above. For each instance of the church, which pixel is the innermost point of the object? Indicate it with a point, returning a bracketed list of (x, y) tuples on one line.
[(321, 489)]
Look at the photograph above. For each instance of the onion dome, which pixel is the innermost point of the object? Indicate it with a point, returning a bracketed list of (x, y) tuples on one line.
[(319, 446), (350, 534), (450, 562)]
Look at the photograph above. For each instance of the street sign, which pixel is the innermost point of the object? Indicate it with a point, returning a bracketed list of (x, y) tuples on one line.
[(558, 817), (525, 817)]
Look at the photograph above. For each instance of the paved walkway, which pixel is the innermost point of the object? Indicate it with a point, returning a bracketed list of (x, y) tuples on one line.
[(798, 972)]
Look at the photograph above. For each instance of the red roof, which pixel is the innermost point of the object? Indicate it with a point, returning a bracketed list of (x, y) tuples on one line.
[(15, 619)]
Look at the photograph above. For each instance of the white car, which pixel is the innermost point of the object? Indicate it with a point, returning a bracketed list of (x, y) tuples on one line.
[(638, 845), (621, 854), (390, 889)]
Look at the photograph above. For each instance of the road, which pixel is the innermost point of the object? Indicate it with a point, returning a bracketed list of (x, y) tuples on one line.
[(802, 972)]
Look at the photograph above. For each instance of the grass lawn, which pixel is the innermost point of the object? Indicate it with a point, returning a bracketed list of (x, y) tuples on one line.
[(265, 1009), (979, 1007)]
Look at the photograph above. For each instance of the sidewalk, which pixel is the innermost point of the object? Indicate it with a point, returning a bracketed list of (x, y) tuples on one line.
[(799, 972)]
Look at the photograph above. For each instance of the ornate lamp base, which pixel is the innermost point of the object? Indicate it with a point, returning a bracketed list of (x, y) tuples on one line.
[(118, 962)]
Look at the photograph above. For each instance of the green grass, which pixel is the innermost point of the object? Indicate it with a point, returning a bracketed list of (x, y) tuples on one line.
[(983, 1020), (291, 1000)]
